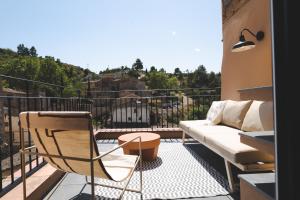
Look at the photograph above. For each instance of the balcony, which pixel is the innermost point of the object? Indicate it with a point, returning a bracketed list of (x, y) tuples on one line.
[(159, 113)]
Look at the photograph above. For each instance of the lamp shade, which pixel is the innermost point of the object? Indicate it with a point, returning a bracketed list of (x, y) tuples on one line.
[(243, 46)]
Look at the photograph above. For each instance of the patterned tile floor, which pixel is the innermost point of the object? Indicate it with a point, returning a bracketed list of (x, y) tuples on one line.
[(67, 188)]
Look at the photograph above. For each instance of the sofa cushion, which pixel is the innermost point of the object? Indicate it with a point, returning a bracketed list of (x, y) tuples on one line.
[(234, 113), (259, 117), (191, 128), (186, 125), (225, 141), (215, 112)]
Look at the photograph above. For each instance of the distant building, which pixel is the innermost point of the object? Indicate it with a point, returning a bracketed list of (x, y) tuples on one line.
[(130, 114), (109, 85), (11, 92)]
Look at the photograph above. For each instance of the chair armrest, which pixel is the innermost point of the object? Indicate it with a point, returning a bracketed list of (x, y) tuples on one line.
[(28, 148), (119, 146)]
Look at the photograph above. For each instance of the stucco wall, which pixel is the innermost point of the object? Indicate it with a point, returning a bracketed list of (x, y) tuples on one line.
[(252, 68)]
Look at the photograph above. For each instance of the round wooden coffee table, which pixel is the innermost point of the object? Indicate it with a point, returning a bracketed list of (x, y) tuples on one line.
[(149, 144)]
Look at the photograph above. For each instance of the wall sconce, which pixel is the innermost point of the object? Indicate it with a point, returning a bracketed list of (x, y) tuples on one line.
[(244, 44)]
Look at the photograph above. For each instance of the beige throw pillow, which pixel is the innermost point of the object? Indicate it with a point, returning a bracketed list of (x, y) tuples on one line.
[(215, 112), (259, 117), (234, 113)]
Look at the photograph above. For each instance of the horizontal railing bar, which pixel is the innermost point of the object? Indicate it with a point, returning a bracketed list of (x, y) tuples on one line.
[(60, 98), (150, 90), (28, 80), (154, 97)]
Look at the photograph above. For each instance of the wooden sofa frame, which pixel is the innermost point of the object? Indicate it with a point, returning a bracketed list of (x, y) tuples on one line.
[(251, 167)]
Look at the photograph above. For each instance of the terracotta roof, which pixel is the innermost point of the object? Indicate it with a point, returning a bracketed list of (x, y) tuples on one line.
[(125, 94), (9, 90)]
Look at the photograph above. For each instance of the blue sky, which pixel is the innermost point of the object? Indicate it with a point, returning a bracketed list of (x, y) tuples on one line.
[(97, 34)]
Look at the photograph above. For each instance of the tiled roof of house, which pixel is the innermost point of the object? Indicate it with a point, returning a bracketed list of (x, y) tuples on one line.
[(12, 91)]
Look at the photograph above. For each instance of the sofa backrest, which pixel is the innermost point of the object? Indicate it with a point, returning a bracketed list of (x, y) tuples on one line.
[(234, 113)]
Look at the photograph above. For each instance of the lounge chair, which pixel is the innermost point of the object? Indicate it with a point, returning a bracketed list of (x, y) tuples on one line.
[(67, 142)]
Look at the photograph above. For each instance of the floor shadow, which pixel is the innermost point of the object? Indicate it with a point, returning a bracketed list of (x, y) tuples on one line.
[(149, 165), (208, 159), (84, 196)]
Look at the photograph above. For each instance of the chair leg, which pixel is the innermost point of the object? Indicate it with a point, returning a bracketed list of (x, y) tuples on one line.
[(92, 181), (183, 137), (115, 187), (23, 175), (130, 176), (229, 176), (23, 170), (120, 188), (141, 177)]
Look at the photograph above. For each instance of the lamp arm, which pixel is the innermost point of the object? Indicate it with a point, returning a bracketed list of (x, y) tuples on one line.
[(245, 29)]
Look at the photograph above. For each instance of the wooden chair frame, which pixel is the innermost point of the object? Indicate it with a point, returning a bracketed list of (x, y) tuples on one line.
[(24, 151)]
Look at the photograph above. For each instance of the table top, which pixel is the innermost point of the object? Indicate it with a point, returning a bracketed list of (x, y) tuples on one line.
[(148, 139), (145, 136), (261, 140)]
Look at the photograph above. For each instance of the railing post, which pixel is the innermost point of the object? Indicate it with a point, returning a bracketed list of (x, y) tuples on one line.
[(27, 95), (88, 93), (62, 84), (10, 140), (218, 90), (1, 131), (78, 93)]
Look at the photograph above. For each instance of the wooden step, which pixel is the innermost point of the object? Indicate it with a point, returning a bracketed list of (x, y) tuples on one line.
[(257, 186)]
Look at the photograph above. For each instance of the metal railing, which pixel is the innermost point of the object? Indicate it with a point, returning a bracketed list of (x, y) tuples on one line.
[(108, 113), (154, 111), (149, 92), (10, 132), (28, 85)]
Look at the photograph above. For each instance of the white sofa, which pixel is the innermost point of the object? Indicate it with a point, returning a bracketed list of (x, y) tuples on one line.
[(220, 133)]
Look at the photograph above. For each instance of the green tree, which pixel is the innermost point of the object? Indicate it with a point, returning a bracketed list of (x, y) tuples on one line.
[(160, 80), (138, 65), (179, 75), (199, 77), (177, 71), (86, 72), (47, 69), (50, 72), (22, 50), (153, 69), (172, 83), (162, 70), (32, 51)]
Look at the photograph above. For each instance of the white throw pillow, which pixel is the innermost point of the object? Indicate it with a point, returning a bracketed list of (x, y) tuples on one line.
[(215, 112), (234, 113), (259, 117)]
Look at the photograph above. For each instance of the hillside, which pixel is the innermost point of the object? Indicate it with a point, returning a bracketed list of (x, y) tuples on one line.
[(25, 63)]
